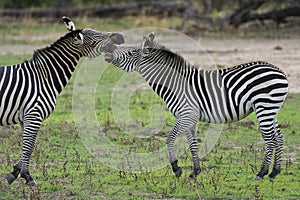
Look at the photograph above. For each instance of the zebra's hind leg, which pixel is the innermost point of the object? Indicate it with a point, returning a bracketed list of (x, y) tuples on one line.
[(193, 146), (278, 150), (267, 125), (267, 160)]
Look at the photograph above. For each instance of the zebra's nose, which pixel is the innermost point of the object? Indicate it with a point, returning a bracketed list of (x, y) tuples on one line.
[(117, 38), (109, 48)]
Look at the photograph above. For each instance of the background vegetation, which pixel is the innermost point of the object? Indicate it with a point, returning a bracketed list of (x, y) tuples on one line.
[(196, 18)]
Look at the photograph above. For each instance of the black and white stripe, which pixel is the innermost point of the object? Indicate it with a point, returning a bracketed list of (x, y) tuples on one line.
[(28, 91), (217, 96)]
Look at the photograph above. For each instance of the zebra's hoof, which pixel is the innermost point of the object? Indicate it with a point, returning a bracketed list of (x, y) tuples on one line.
[(10, 178), (31, 183), (274, 173), (178, 172), (272, 176), (29, 180), (195, 173), (257, 178)]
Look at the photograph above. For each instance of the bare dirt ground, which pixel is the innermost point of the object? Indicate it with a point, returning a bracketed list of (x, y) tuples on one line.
[(284, 53)]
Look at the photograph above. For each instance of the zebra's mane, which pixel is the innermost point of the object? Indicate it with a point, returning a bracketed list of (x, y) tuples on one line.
[(182, 63), (71, 34)]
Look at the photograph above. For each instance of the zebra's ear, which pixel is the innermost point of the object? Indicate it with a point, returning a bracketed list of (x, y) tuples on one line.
[(78, 40), (69, 23), (150, 39), (145, 44), (151, 36)]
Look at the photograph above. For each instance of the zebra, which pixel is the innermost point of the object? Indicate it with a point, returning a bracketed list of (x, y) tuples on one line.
[(28, 90), (214, 96)]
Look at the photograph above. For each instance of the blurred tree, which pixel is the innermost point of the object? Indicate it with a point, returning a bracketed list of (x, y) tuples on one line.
[(63, 3), (211, 5), (25, 3)]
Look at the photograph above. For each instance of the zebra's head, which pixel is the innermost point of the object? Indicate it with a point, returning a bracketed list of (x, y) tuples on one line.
[(129, 57), (91, 42)]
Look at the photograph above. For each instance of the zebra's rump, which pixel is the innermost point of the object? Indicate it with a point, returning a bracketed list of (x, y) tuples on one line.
[(231, 94), (252, 80)]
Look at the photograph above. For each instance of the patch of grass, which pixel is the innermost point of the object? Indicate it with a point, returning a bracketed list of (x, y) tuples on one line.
[(9, 59)]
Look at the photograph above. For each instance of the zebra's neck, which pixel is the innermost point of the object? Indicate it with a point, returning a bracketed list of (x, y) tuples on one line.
[(56, 64), (168, 75)]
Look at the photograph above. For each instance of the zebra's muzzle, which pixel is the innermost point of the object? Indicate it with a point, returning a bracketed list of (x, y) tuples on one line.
[(108, 57), (109, 48)]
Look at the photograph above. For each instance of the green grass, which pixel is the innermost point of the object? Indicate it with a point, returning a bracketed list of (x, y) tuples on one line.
[(64, 168)]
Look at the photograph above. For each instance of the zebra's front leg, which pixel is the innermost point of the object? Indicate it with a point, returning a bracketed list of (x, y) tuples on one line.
[(173, 160), (170, 143), (31, 127), (17, 169), (12, 176), (183, 125), (194, 148)]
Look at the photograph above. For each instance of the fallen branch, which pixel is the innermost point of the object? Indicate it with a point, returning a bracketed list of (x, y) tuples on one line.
[(241, 15), (278, 16), (245, 13)]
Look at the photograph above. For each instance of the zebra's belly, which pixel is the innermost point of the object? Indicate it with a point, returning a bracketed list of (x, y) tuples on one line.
[(227, 114), (223, 120)]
